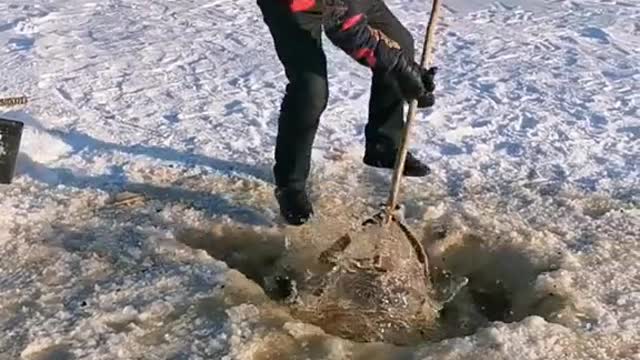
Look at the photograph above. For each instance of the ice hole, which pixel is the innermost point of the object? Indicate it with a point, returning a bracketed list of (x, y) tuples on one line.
[(503, 284), (502, 276)]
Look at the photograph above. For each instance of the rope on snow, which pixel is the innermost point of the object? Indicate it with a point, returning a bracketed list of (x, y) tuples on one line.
[(13, 101)]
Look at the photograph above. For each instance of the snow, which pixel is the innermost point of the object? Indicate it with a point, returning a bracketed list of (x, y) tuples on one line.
[(534, 142)]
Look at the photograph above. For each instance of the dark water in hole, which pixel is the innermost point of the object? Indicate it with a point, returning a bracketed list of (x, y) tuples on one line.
[(501, 286)]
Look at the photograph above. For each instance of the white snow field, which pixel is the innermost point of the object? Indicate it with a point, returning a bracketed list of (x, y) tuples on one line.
[(534, 144)]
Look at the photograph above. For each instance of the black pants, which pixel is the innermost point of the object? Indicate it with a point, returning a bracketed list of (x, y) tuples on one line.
[(297, 38)]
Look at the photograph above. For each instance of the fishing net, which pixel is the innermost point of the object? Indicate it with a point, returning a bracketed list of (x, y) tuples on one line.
[(369, 284)]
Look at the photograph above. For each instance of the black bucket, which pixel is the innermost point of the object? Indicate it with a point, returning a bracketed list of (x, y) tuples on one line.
[(10, 136)]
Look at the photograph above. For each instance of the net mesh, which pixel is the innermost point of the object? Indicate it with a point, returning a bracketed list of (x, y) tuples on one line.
[(367, 284)]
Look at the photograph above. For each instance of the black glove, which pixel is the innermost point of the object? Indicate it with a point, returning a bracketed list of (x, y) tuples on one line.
[(408, 78), (428, 99), (415, 82)]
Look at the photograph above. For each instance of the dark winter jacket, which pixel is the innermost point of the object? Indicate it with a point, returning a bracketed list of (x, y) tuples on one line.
[(348, 29)]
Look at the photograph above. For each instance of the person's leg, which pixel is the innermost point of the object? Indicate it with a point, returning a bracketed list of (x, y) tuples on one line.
[(383, 131), (297, 40)]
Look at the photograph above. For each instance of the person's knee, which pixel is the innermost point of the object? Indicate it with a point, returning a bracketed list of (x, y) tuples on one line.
[(311, 92)]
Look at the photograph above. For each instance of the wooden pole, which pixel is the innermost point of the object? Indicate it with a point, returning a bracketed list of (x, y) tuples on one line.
[(411, 114)]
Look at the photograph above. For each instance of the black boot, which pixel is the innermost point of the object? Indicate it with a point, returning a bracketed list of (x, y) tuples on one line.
[(385, 158), (295, 205)]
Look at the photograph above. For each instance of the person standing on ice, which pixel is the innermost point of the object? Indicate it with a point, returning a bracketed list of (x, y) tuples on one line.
[(370, 33)]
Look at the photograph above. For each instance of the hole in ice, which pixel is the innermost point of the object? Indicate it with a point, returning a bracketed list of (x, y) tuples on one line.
[(501, 287), (502, 284)]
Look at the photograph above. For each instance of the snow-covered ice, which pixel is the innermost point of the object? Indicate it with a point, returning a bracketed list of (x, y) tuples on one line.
[(534, 143)]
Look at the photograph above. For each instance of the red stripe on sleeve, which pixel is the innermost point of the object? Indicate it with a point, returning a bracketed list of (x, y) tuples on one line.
[(351, 22), (367, 55), (301, 5)]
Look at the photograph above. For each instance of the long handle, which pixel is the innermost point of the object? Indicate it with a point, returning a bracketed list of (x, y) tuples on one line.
[(411, 114)]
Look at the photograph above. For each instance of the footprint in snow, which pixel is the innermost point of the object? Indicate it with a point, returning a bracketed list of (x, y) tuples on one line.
[(596, 34)]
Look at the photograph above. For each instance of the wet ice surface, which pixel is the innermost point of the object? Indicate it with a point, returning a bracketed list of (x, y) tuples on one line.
[(535, 192)]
